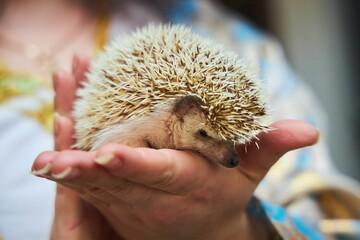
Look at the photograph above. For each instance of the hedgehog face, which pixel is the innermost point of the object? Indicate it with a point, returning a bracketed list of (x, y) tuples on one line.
[(192, 132), (180, 125)]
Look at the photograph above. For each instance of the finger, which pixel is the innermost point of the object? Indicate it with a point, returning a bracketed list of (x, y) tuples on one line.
[(65, 88), (76, 169), (287, 135), (63, 132), (70, 220), (61, 164), (167, 170), (80, 67), (99, 197), (42, 163)]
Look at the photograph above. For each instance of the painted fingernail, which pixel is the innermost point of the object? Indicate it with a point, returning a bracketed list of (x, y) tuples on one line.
[(69, 171), (109, 160), (42, 171)]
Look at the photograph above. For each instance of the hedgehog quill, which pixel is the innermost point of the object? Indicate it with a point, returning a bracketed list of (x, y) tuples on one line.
[(167, 87)]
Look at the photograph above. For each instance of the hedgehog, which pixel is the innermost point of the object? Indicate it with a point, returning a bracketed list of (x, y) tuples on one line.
[(165, 86)]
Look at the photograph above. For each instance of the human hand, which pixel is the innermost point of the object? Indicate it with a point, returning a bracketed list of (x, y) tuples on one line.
[(162, 194), (74, 218)]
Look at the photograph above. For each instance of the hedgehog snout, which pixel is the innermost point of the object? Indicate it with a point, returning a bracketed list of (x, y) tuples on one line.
[(224, 153), (232, 162)]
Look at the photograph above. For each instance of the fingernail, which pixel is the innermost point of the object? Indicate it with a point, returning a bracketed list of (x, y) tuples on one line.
[(109, 160), (42, 171), (69, 171)]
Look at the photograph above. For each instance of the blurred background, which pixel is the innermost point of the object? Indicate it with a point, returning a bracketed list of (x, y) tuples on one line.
[(322, 41)]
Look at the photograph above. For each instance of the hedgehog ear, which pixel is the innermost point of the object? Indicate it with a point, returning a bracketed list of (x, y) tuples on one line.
[(187, 105)]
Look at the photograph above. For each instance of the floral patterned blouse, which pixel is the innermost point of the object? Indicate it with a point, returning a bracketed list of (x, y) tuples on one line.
[(302, 197)]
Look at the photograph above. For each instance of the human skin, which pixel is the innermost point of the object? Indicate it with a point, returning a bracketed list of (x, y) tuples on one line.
[(118, 192)]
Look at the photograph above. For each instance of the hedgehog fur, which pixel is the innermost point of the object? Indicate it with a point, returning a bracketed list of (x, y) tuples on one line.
[(157, 65)]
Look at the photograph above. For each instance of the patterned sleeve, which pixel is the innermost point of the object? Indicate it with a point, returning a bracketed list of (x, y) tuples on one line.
[(303, 196), (280, 224)]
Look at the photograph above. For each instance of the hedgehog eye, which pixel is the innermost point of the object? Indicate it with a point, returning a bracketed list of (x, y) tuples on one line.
[(203, 133)]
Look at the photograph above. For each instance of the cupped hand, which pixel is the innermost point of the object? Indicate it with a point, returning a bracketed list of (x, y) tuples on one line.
[(139, 193)]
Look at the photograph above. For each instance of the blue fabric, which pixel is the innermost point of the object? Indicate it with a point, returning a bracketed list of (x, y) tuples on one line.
[(245, 31), (181, 11), (306, 230)]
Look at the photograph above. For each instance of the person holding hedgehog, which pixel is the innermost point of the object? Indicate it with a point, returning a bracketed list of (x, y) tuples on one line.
[(121, 192)]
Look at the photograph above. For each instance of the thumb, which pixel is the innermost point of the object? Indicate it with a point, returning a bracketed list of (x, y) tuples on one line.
[(258, 157)]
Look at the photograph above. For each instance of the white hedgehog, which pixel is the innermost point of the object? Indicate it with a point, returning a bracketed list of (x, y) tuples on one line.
[(166, 87)]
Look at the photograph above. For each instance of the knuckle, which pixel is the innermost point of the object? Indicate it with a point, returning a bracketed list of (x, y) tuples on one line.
[(45, 156), (167, 174), (82, 191), (165, 179), (122, 189), (93, 198), (254, 177), (96, 191), (65, 155)]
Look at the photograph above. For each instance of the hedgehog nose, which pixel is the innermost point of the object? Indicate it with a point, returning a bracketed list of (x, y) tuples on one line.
[(234, 161)]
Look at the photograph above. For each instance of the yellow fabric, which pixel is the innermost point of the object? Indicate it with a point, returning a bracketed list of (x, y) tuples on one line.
[(17, 84)]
